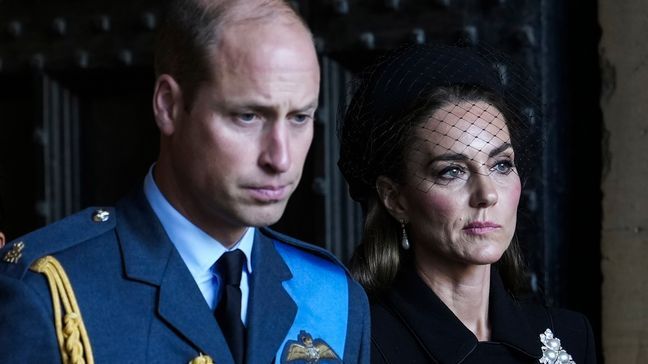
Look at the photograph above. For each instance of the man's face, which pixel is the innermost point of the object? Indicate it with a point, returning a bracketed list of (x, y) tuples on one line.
[(238, 154)]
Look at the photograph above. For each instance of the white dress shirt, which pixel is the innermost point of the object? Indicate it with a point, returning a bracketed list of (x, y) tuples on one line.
[(199, 250)]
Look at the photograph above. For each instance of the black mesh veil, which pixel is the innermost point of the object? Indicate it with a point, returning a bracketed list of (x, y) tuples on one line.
[(429, 82), (436, 118)]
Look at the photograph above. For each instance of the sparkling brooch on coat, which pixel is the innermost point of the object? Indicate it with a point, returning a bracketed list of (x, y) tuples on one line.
[(552, 351)]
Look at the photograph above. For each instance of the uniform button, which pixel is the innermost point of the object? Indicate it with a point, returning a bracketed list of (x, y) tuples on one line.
[(100, 215)]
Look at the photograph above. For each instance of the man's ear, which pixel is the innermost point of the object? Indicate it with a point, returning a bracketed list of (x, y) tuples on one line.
[(2, 239), (389, 193), (167, 104)]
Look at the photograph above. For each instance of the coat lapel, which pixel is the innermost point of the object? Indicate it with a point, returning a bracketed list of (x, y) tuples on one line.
[(420, 310), (149, 257), (450, 341), (271, 310), (510, 324), (196, 322)]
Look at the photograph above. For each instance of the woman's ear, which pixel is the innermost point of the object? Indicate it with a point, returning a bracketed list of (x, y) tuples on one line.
[(389, 193), (2, 239), (167, 104)]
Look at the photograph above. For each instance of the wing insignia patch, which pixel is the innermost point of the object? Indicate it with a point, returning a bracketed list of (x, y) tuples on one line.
[(306, 350)]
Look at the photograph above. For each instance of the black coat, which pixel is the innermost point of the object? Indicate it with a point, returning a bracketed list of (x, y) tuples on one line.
[(410, 324)]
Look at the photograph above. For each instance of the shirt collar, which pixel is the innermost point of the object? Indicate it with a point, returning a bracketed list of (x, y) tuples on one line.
[(198, 250)]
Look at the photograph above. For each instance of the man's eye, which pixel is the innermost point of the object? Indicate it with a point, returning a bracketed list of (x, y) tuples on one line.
[(247, 117), (301, 118)]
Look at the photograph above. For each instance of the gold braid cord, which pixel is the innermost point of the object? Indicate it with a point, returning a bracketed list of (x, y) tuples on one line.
[(73, 340)]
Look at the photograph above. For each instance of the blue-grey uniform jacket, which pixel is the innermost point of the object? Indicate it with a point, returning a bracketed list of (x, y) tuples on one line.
[(140, 303)]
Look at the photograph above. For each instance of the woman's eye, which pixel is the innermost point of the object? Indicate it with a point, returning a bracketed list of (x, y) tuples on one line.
[(452, 172), (503, 167)]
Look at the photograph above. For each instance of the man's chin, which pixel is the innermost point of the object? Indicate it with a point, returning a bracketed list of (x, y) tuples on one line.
[(265, 215)]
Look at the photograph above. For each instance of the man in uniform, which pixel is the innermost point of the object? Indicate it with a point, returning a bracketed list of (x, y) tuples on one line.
[(183, 270)]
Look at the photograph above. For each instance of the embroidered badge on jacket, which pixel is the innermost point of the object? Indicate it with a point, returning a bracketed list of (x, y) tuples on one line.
[(14, 255), (552, 351), (305, 350)]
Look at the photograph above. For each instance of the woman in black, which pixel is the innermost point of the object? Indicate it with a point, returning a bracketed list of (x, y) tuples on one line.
[(429, 147)]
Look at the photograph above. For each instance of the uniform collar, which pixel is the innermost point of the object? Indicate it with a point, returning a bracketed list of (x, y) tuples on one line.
[(150, 257), (442, 335), (198, 250)]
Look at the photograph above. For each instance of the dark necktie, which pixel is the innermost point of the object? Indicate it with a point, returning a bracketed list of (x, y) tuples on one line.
[(228, 311)]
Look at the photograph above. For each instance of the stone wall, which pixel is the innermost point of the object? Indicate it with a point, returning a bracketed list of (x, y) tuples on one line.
[(624, 101)]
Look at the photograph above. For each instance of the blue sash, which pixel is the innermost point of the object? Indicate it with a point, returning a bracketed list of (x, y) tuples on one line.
[(320, 290)]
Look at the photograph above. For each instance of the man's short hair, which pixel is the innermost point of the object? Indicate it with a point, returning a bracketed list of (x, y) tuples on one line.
[(189, 29)]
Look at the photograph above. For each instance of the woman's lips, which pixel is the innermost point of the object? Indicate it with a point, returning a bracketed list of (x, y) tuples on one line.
[(481, 227)]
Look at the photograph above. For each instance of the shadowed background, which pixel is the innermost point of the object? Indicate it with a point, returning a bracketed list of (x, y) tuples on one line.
[(76, 128)]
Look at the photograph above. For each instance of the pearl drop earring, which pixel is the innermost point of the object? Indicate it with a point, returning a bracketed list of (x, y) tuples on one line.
[(404, 241)]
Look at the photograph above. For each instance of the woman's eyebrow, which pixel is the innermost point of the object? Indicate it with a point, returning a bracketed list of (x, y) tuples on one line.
[(499, 149), (450, 157), (463, 157)]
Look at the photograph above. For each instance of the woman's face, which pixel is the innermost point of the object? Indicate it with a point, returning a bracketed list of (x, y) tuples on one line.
[(462, 188)]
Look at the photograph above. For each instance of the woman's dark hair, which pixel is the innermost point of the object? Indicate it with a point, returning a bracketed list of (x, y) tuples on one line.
[(392, 100)]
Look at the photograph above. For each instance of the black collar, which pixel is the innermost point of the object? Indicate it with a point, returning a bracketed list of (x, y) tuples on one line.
[(443, 335)]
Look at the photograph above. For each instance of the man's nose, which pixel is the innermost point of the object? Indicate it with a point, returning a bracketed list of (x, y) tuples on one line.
[(275, 156)]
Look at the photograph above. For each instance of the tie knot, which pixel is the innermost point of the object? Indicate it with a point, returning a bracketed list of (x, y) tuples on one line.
[(230, 267)]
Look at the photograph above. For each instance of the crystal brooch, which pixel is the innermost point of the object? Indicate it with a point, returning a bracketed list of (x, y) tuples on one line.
[(552, 351)]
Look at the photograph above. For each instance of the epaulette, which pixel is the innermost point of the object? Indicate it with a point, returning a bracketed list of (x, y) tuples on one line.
[(314, 249), (18, 255)]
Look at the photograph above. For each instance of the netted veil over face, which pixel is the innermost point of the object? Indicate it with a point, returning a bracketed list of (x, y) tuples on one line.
[(461, 104)]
